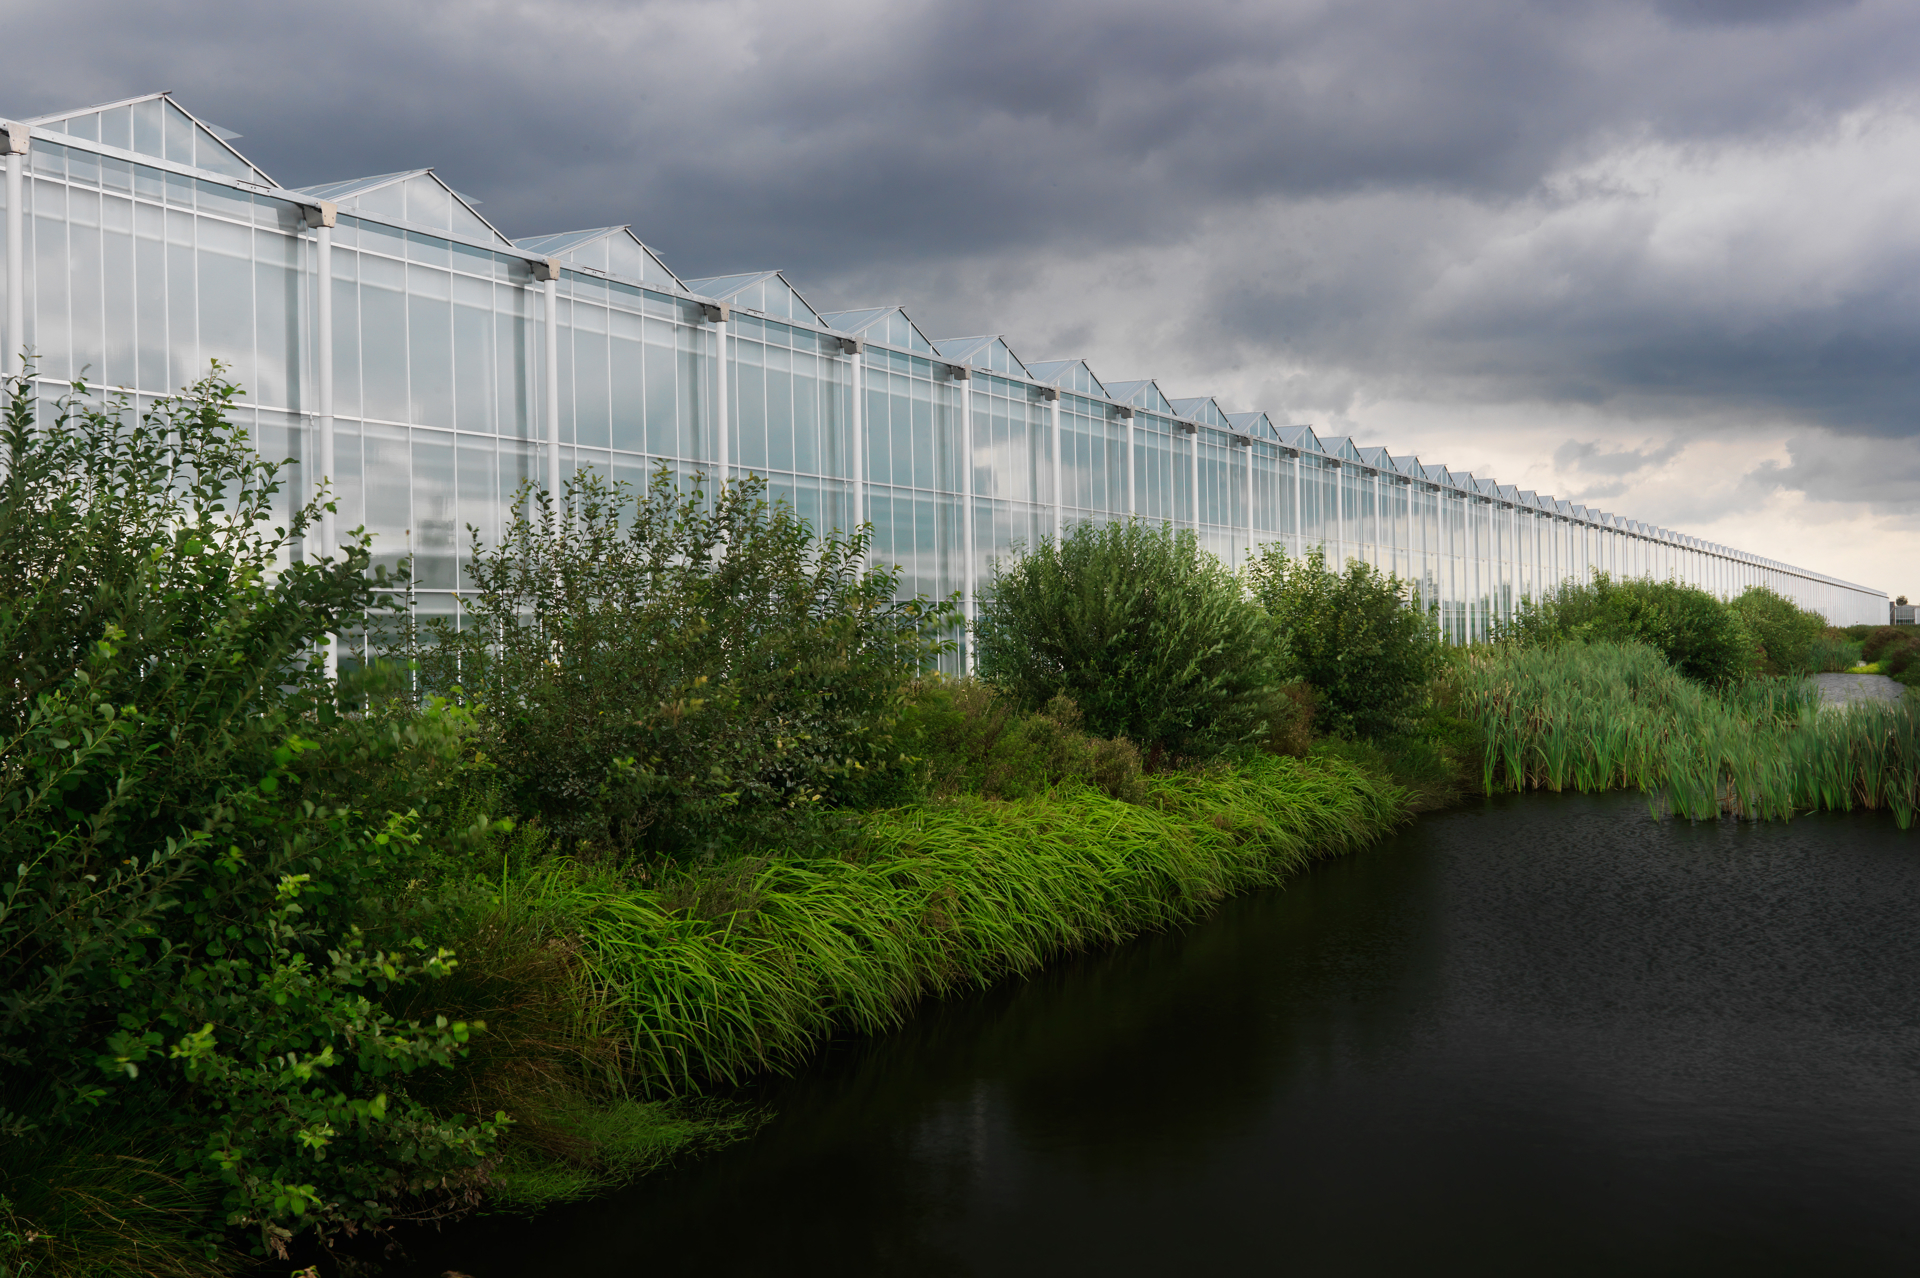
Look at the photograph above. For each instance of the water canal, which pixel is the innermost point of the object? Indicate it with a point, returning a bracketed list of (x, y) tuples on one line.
[(1543, 1035)]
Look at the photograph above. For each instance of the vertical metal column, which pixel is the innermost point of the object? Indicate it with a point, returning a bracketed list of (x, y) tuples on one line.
[(14, 139), (1299, 516), (547, 272), (1054, 398), (1133, 507), (322, 217), (970, 554), (717, 314), (723, 400), (857, 432), (1246, 555), (1193, 468)]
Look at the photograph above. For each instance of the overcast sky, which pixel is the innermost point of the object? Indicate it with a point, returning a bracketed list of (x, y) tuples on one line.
[(1663, 258)]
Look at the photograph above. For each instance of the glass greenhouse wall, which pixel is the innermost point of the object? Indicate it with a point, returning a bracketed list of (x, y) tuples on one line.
[(384, 322)]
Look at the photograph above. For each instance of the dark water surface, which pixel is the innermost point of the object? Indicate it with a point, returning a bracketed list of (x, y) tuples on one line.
[(1544, 1036)]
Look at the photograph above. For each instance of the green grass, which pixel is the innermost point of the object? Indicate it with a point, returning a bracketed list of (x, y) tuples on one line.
[(1606, 716), (615, 1141), (933, 899)]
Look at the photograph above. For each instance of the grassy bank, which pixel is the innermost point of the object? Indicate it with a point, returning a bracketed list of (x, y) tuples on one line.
[(1605, 716), (716, 976)]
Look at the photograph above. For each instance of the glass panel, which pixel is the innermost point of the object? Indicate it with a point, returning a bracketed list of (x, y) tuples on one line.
[(180, 133), (383, 338), (428, 204), (387, 203), (433, 510)]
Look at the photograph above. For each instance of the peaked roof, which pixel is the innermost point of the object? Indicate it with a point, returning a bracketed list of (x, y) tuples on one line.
[(154, 124), (1408, 465), (1069, 374), (888, 324), (1256, 425), (415, 198), (769, 292), (989, 352), (1342, 447), (1300, 437), (1376, 458), (1202, 408), (1144, 394), (613, 251)]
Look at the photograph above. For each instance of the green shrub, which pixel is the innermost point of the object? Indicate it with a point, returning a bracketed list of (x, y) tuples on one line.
[(1145, 631), (973, 740), (1896, 650), (1705, 639), (1786, 634), (1355, 636), (190, 861), (1832, 651), (657, 673)]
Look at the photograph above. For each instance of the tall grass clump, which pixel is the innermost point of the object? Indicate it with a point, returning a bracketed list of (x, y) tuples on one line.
[(933, 899), (1601, 716), (1148, 634), (1705, 639)]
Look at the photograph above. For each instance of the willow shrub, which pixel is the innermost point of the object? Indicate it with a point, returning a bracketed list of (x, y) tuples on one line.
[(658, 673), (1787, 637), (192, 835), (1354, 636), (1151, 637), (1706, 640)]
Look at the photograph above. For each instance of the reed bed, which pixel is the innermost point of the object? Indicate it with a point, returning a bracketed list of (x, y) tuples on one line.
[(1611, 716), (934, 899)]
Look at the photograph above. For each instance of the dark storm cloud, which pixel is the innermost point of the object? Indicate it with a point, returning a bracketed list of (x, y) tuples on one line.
[(1357, 154)]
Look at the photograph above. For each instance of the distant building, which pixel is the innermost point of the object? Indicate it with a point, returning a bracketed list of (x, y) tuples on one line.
[(390, 338), (1903, 614)]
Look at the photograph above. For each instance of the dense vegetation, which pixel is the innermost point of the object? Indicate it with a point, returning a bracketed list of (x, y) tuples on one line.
[(1893, 650), (1354, 637), (197, 1026), (1148, 634), (1606, 715), (287, 960), (654, 673)]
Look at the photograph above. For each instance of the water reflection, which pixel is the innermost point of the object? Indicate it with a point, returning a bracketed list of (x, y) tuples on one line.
[(1542, 1035)]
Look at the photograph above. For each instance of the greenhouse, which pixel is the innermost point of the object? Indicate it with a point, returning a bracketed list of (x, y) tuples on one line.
[(392, 342)]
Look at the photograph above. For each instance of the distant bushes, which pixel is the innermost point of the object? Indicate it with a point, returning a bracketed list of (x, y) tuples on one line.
[(1148, 634), (1896, 650), (1705, 639)]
